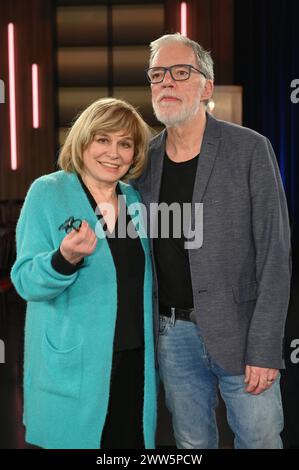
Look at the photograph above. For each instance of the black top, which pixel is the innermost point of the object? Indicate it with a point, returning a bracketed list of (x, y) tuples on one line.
[(171, 257), (129, 263)]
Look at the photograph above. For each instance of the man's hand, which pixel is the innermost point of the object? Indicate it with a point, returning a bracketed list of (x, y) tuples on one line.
[(259, 379), (77, 245)]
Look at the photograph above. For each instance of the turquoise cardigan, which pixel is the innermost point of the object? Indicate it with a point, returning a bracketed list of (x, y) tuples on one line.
[(70, 320)]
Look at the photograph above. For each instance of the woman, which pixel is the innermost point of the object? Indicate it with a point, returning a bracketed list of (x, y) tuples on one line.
[(89, 377)]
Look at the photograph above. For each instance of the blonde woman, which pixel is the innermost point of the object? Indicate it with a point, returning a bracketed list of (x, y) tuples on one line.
[(89, 357)]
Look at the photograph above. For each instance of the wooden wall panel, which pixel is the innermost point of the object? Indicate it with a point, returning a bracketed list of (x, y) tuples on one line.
[(82, 66), (78, 26), (137, 24), (33, 22), (109, 58)]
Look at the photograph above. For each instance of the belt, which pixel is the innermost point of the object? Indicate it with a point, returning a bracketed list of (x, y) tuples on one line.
[(179, 313)]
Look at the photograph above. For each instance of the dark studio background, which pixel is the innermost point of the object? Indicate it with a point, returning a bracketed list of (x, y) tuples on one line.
[(254, 43), (266, 62)]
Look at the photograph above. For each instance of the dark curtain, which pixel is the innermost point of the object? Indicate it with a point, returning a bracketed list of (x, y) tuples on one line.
[(266, 62)]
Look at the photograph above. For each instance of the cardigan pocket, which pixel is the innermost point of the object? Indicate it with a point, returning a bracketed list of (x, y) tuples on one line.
[(61, 370)]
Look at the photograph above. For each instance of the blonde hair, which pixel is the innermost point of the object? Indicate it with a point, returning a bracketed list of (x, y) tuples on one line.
[(105, 115)]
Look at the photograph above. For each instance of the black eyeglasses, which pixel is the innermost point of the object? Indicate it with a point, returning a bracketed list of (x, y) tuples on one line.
[(178, 72), (70, 224)]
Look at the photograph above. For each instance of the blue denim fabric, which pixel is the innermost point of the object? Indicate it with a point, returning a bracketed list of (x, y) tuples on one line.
[(191, 378)]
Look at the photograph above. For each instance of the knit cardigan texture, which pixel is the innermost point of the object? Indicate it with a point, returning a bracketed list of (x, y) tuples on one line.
[(70, 320)]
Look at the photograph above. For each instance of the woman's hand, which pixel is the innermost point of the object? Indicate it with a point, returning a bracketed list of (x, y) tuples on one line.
[(77, 245)]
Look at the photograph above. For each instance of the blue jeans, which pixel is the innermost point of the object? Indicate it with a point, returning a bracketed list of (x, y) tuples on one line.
[(190, 378)]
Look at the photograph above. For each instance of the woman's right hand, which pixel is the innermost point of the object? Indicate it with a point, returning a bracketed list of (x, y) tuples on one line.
[(76, 245)]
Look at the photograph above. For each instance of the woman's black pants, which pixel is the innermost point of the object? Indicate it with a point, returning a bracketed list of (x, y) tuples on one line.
[(123, 427)]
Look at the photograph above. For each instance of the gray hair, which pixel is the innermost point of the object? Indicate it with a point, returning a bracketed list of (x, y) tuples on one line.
[(203, 57)]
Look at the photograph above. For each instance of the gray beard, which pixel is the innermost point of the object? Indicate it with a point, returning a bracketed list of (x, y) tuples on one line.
[(170, 119)]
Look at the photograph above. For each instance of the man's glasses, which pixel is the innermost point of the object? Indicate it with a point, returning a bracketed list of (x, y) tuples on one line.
[(178, 72)]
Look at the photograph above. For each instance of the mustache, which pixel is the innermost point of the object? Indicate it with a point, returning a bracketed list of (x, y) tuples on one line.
[(167, 95)]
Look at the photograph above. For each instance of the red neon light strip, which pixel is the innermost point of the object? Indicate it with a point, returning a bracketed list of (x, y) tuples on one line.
[(12, 98), (35, 97), (184, 18)]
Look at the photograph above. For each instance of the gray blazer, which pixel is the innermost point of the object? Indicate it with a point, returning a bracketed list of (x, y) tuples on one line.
[(241, 273)]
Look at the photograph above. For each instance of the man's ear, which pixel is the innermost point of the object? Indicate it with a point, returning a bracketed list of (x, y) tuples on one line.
[(208, 90)]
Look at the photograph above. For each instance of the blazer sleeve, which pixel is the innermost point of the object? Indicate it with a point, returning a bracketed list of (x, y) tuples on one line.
[(271, 233), (33, 274)]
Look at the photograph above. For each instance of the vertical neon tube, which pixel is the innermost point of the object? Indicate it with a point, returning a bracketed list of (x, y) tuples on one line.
[(184, 18), (12, 98), (35, 96)]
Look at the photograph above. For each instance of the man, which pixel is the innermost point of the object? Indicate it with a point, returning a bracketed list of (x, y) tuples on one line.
[(221, 303)]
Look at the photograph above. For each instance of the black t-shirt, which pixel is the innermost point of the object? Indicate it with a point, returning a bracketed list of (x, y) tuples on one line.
[(171, 257)]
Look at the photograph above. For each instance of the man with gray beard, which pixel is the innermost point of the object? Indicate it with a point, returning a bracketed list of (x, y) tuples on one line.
[(220, 307)]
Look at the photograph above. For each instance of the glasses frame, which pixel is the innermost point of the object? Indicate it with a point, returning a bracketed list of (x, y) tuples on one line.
[(191, 67), (70, 224)]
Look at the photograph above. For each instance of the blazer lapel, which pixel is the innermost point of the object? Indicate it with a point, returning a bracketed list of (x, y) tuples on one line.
[(206, 161), (157, 159), (157, 154)]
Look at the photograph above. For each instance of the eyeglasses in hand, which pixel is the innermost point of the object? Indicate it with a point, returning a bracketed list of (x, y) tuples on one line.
[(71, 223)]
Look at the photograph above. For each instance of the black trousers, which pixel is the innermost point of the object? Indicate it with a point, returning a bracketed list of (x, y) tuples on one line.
[(123, 427)]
